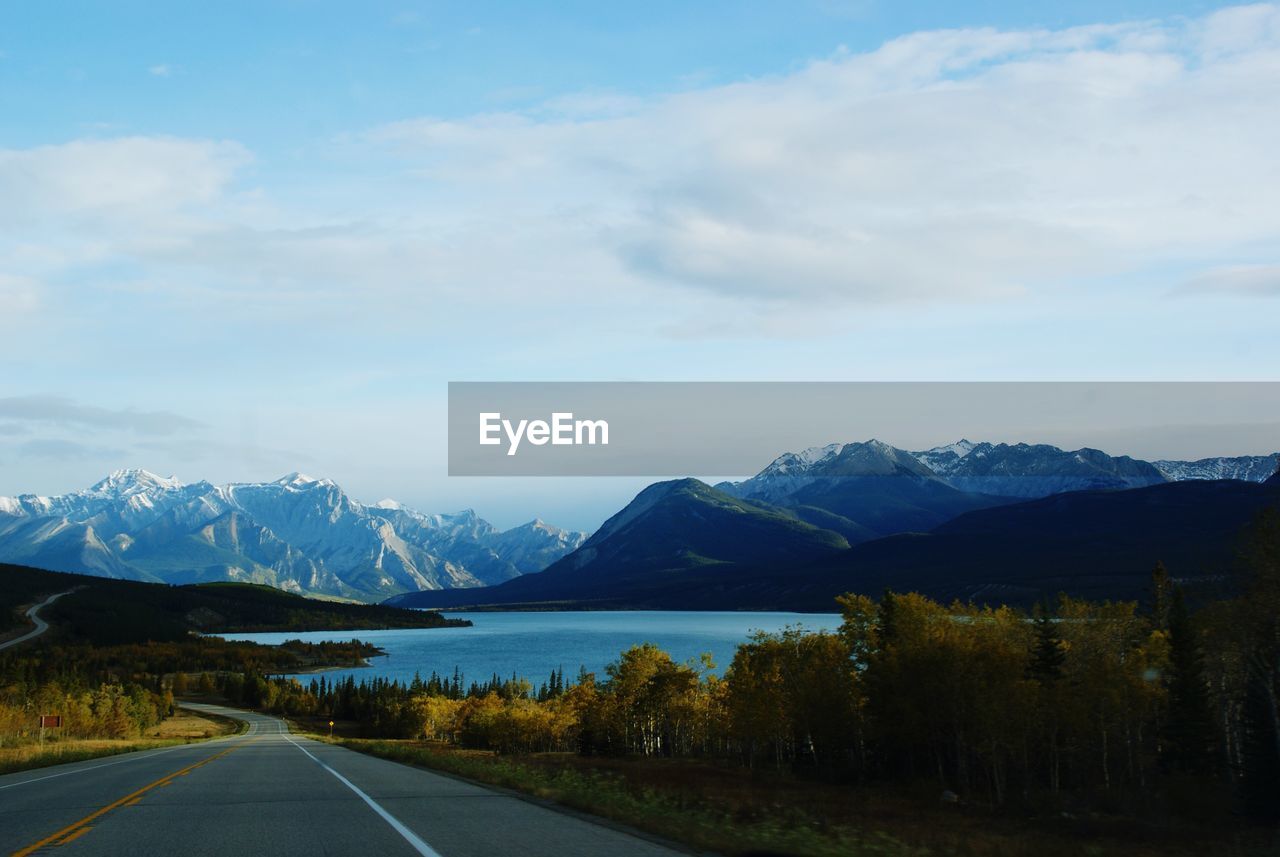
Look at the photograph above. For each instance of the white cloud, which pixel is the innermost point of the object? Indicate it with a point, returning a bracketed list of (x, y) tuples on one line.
[(160, 70), (62, 450), (120, 179), (954, 167), (65, 412), (944, 165), (1242, 280)]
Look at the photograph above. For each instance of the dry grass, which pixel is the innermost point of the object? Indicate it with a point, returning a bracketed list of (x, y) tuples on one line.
[(190, 726), (183, 728)]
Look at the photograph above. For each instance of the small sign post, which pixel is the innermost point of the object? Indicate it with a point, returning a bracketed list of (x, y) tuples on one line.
[(330, 728), (49, 721)]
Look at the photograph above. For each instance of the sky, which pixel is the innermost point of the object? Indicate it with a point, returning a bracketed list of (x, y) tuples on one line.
[(244, 239)]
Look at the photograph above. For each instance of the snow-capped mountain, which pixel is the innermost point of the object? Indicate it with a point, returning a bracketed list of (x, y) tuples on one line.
[(1034, 470), (1006, 470), (860, 490), (1249, 468), (297, 533), (792, 472)]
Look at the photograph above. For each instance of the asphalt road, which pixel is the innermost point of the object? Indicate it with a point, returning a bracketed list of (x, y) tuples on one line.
[(271, 793), (33, 613)]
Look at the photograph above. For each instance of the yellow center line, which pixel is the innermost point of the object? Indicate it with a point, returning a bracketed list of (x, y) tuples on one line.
[(79, 832), (81, 827)]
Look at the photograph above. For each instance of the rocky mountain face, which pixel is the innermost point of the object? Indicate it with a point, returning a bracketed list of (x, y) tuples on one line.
[(297, 533)]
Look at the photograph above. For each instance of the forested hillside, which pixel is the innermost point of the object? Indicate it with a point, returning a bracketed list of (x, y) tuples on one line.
[(119, 611)]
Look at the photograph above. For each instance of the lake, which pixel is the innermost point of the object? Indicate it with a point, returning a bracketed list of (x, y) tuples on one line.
[(531, 645)]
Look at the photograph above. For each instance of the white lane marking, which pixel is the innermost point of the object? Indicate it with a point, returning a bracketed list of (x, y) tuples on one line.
[(131, 757), (412, 838)]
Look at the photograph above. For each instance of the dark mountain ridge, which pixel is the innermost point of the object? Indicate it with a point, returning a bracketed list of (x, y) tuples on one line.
[(670, 530), (1097, 544)]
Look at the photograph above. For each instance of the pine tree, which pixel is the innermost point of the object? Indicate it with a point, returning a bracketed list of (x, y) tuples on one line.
[(1161, 596), (1260, 745), (1048, 654), (1189, 729), (888, 614)]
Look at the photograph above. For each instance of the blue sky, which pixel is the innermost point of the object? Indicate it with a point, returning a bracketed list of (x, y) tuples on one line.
[(239, 239), (285, 74)]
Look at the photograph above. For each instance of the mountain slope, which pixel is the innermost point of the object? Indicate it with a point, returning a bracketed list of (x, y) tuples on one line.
[(1099, 544), (297, 533), (872, 489), (668, 530), (59, 543)]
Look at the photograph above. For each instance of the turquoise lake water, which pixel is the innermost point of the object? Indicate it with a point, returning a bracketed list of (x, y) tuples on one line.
[(531, 645)]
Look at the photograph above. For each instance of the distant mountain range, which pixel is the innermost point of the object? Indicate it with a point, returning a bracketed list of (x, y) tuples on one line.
[(1096, 525), (297, 533), (1008, 470), (844, 516), (874, 489)]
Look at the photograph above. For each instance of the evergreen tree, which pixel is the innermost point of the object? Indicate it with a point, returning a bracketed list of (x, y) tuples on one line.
[(888, 614), (1189, 728), (1260, 750), (1161, 596), (1048, 653)]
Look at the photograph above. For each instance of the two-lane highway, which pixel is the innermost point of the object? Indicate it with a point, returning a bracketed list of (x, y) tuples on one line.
[(271, 793)]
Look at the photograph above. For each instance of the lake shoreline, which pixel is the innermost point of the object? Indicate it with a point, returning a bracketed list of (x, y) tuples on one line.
[(318, 670), (531, 645)]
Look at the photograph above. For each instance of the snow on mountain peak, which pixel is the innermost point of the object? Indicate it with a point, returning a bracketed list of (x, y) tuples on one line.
[(801, 461), (959, 449), (301, 480), (135, 480), (388, 503)]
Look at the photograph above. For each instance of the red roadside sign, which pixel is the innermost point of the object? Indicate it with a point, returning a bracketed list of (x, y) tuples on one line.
[(50, 721)]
